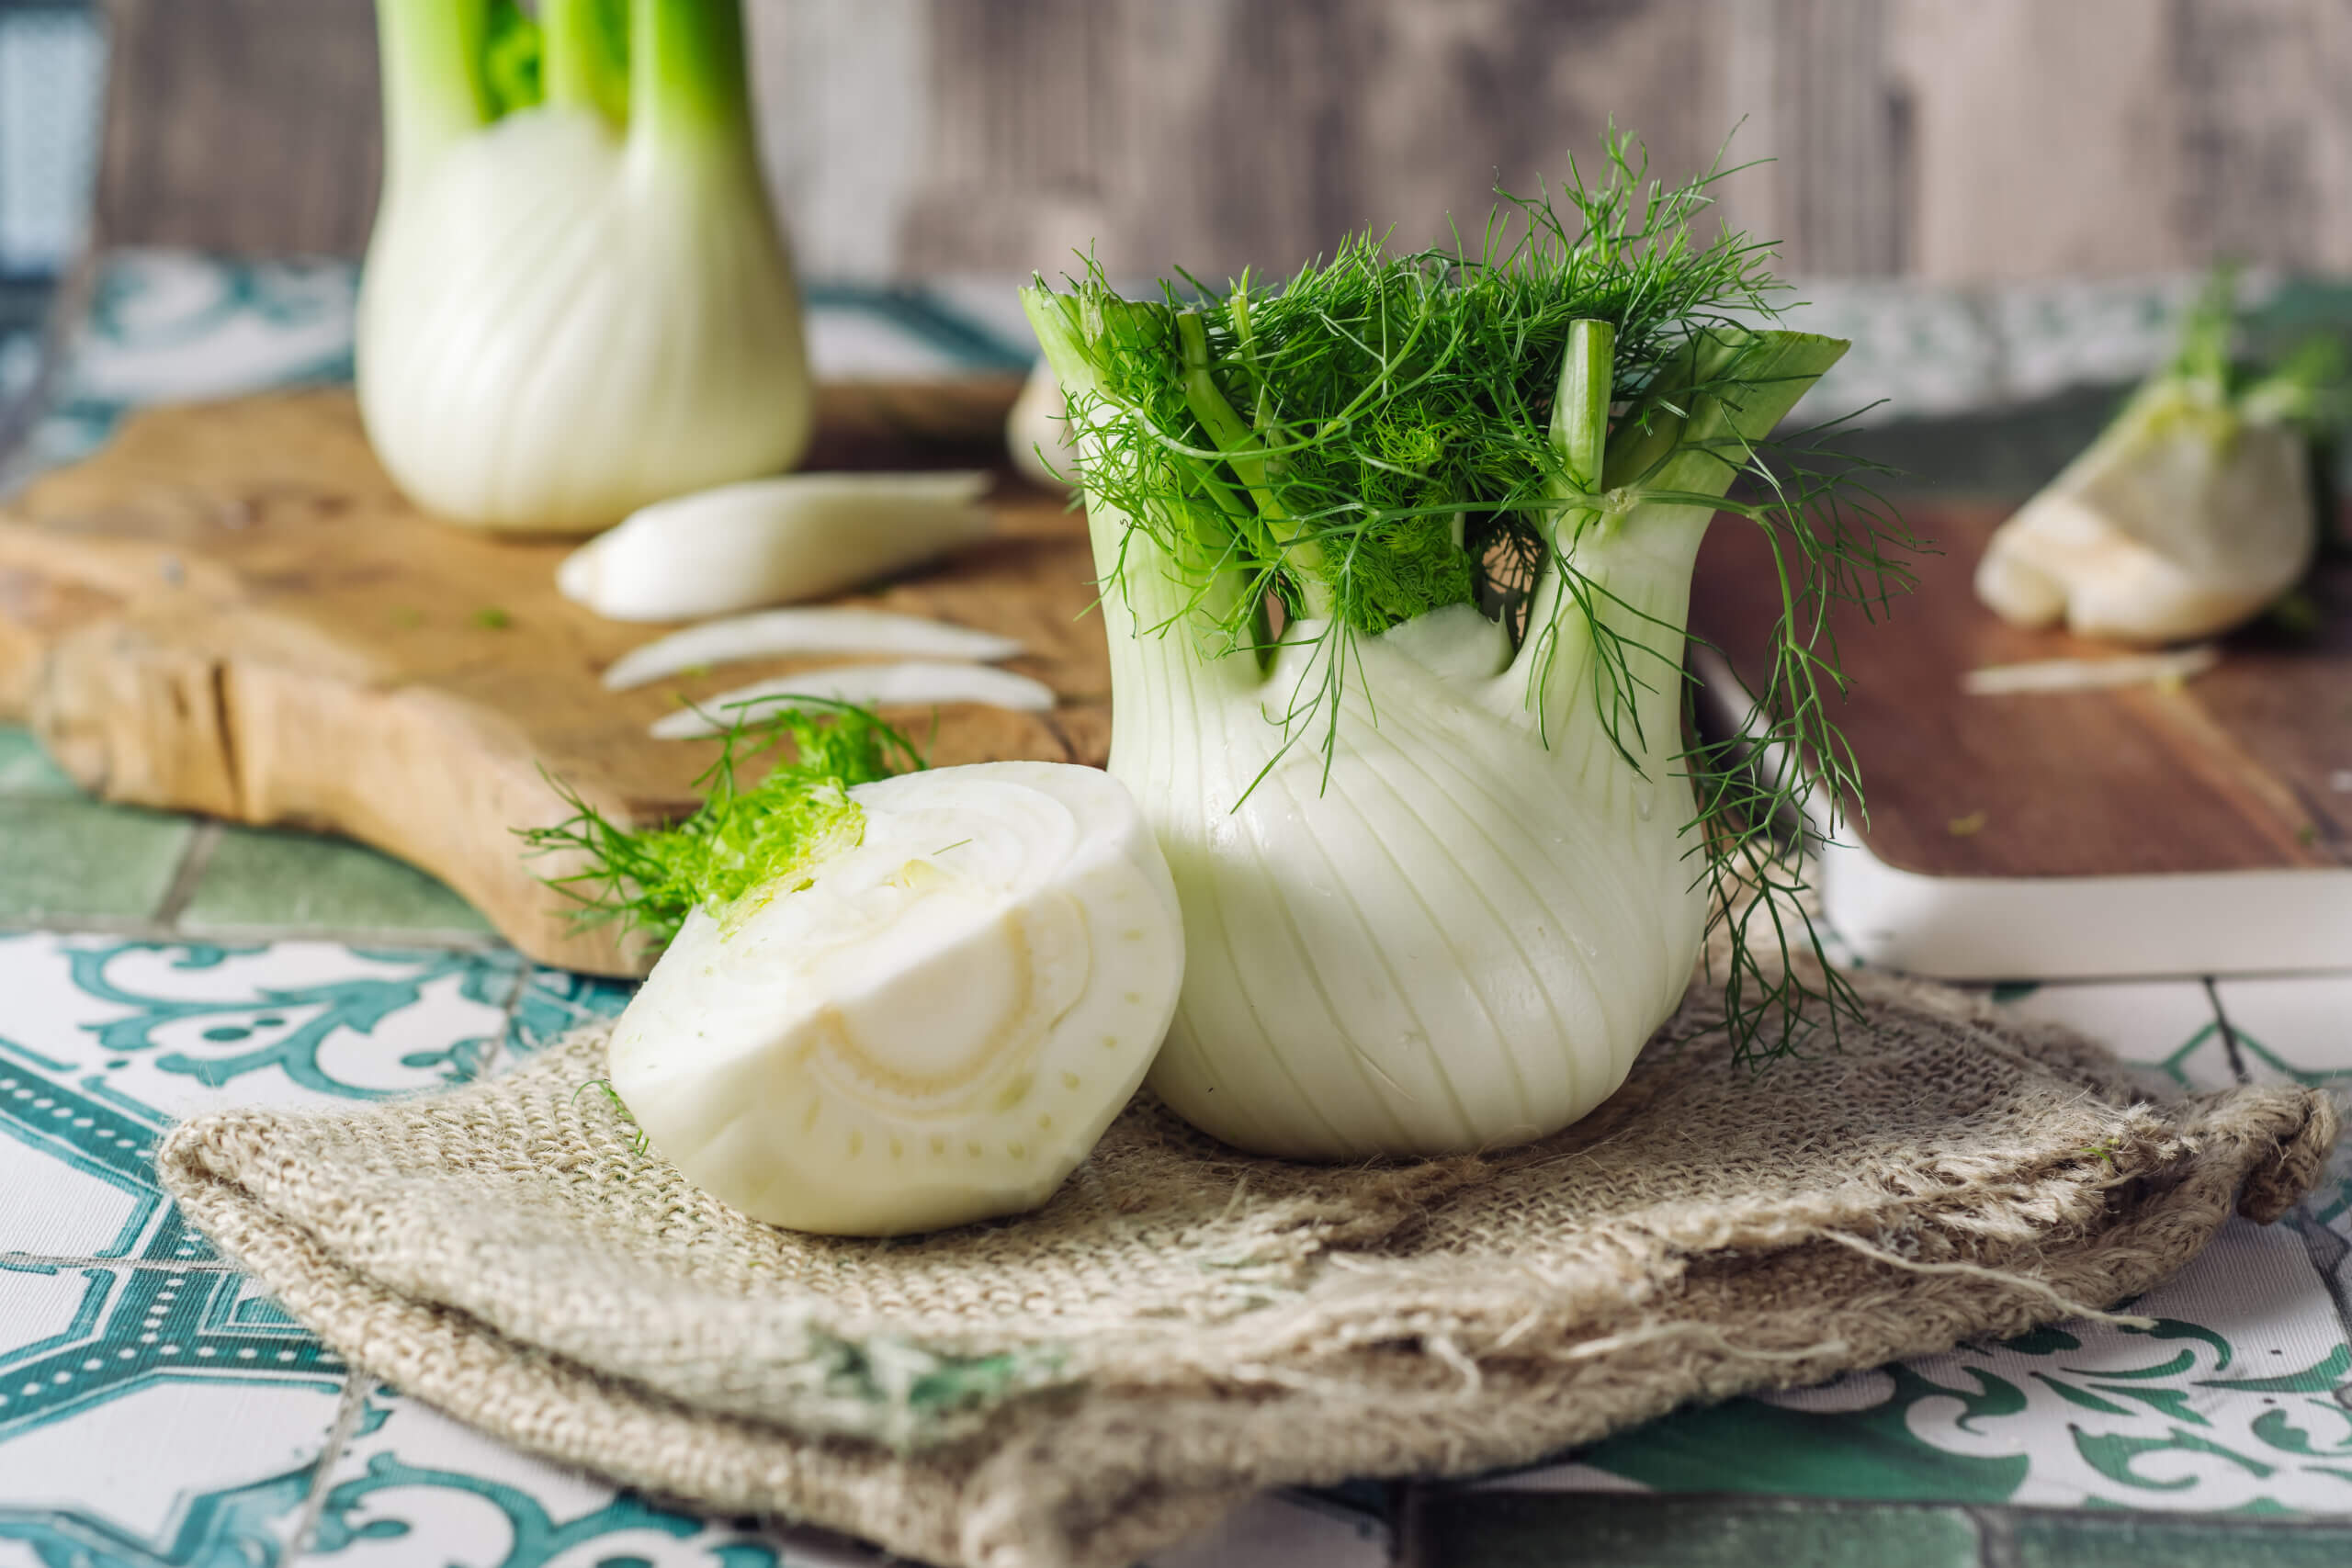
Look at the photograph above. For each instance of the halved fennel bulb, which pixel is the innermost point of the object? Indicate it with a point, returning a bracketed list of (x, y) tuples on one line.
[(2191, 512), (2185, 517), (929, 1027)]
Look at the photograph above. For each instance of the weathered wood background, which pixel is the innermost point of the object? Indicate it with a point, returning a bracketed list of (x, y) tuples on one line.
[(1947, 139)]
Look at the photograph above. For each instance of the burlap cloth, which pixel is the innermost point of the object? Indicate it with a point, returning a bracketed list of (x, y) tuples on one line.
[(1184, 1324)]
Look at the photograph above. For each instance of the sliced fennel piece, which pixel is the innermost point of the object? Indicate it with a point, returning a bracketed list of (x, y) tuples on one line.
[(909, 681), (772, 541), (585, 305), (826, 629), (931, 1028), (2089, 674)]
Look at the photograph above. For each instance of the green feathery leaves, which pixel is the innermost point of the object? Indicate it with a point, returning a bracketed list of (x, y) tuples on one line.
[(744, 838), (2305, 385)]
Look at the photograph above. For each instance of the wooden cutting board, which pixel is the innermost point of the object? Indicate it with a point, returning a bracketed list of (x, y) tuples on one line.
[(229, 610), (2197, 828)]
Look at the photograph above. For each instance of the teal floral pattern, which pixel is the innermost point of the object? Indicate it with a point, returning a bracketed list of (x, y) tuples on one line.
[(135, 1326), (2237, 1399), (237, 1528), (536, 1538), (84, 1127), (284, 1029), (178, 1026), (554, 1002)]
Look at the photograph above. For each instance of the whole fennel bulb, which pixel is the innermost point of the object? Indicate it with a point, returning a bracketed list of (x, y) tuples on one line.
[(576, 301), (1438, 889)]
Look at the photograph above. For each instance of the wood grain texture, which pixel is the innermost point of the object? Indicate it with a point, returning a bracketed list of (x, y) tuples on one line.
[(1959, 141), (1962, 142), (2232, 772), (1253, 132), (1807, 84), (229, 610), (241, 126)]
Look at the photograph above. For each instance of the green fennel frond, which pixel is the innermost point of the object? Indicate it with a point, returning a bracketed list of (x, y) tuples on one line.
[(744, 835), (2305, 383), (641, 1141)]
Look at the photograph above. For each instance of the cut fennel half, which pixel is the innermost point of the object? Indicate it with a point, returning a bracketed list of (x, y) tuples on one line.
[(2191, 512), (928, 1026)]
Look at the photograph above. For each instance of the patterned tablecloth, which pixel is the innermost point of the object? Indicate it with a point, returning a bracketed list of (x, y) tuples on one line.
[(155, 1408)]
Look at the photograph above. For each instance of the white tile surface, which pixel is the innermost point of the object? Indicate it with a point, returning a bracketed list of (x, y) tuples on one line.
[(190, 1442), (59, 1208), (2293, 1025), (2209, 1437), (2166, 1024)]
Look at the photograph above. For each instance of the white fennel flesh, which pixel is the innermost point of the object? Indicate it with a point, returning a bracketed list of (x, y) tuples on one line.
[(930, 1026), (904, 683), (1037, 435), (800, 632), (772, 541), (2189, 514)]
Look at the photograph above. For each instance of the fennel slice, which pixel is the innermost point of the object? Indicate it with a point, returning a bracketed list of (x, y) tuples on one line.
[(2044, 676), (771, 634), (920, 681), (782, 540)]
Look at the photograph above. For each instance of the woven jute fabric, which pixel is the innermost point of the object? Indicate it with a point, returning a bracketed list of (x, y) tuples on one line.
[(1184, 1324)]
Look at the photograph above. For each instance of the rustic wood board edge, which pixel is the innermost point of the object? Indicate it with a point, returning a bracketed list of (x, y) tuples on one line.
[(194, 618), (2228, 773)]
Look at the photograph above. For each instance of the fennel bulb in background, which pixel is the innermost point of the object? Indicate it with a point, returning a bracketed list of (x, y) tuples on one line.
[(2191, 513), (1038, 437), (1440, 882), (577, 299)]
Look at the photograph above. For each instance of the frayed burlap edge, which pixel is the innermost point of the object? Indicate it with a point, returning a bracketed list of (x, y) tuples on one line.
[(1077, 1479)]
